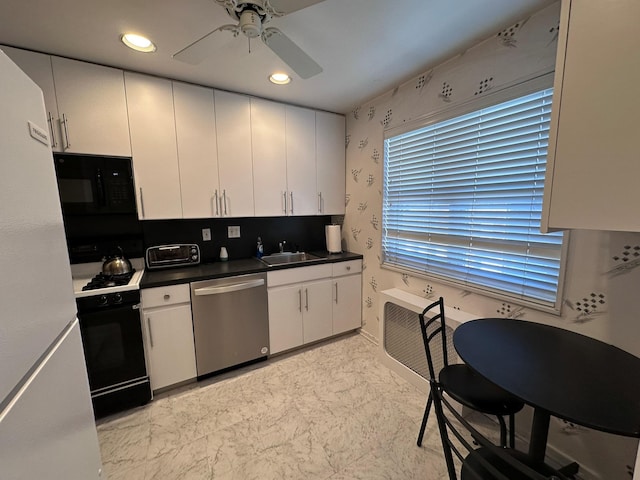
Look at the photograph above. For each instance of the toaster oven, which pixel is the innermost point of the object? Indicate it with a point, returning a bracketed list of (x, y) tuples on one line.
[(180, 255)]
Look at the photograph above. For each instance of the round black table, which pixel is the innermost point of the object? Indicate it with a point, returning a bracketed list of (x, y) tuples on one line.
[(557, 372)]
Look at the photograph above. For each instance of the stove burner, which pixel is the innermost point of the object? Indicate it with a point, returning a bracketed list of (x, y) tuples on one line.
[(104, 281)]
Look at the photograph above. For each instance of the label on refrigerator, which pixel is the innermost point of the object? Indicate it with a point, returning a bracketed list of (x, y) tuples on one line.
[(38, 133)]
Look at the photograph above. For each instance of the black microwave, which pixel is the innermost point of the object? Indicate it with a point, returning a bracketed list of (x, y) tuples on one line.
[(92, 184)]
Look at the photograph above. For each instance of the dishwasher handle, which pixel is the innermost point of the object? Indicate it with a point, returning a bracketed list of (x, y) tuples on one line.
[(234, 287)]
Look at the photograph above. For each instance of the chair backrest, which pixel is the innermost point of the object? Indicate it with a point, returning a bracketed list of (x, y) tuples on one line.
[(479, 458), (432, 325)]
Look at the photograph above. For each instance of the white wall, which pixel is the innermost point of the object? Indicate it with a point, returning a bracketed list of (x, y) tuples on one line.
[(596, 302)]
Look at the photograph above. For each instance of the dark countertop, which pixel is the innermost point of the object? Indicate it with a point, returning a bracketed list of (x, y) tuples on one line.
[(206, 271)]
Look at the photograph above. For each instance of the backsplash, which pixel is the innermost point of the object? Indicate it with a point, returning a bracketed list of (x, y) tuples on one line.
[(300, 233)]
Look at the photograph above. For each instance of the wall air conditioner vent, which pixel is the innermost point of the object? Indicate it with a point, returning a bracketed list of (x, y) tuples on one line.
[(401, 347)]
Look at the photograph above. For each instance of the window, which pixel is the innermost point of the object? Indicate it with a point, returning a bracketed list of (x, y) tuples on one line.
[(462, 201)]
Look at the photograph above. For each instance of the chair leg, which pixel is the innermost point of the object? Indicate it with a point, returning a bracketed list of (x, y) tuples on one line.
[(512, 431), (503, 431), (424, 420)]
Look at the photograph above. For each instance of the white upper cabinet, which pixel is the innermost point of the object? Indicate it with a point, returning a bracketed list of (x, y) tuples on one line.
[(197, 150), (301, 160), (593, 161), (330, 163), (153, 141), (235, 167), (86, 103), (92, 107), (269, 158), (298, 160)]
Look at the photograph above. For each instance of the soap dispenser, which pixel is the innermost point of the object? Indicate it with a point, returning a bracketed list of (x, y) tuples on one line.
[(259, 248)]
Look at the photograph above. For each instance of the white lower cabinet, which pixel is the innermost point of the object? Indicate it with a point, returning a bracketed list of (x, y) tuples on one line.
[(347, 295), (307, 304), (299, 314), (316, 311), (169, 335), (285, 318)]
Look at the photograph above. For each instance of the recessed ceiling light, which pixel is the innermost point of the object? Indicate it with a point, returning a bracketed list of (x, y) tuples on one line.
[(138, 42), (279, 78)]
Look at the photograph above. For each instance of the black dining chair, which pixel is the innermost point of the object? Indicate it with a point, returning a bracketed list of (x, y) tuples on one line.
[(463, 384), (476, 456)]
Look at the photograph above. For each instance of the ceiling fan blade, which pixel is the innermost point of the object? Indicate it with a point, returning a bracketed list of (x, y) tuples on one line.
[(202, 48), (289, 6), (290, 53)]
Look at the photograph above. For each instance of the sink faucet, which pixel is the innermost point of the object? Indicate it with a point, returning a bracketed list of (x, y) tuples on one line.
[(282, 245)]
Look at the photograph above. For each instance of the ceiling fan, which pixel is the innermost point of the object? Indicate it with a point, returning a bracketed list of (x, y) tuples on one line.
[(252, 15)]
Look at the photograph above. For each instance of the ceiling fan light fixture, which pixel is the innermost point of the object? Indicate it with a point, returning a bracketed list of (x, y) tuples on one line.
[(250, 23), (138, 43), (279, 78)]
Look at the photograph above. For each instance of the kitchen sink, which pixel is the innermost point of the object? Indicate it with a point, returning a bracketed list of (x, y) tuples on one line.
[(287, 258)]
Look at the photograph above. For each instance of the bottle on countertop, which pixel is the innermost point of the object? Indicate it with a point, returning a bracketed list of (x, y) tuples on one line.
[(224, 255), (259, 249)]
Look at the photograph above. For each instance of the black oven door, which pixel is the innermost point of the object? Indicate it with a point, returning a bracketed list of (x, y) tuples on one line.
[(90, 184), (112, 340)]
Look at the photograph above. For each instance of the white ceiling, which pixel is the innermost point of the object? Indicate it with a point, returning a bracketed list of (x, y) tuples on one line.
[(365, 47)]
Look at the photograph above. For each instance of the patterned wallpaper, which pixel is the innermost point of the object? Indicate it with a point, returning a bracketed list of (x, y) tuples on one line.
[(600, 267)]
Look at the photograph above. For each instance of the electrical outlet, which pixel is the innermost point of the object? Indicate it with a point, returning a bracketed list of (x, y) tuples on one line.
[(233, 232), (206, 234)]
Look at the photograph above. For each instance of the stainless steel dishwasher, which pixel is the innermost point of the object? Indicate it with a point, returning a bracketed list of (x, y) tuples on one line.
[(230, 321)]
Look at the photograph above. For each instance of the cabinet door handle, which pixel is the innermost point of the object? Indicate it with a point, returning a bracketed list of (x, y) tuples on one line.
[(319, 202), (300, 300), (291, 194), (149, 328), (214, 199), (142, 203), (284, 196), (167, 296), (54, 142), (306, 299), (336, 285), (224, 199), (65, 126)]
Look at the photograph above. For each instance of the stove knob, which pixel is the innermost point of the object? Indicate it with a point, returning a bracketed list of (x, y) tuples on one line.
[(103, 300), (194, 257), (117, 298)]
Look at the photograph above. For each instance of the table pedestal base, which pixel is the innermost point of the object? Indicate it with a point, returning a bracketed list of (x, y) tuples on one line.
[(539, 433)]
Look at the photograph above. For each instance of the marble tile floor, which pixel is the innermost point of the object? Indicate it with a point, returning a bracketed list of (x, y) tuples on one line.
[(329, 412)]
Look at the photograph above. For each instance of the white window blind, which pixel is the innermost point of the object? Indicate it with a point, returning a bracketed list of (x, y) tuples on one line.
[(463, 200)]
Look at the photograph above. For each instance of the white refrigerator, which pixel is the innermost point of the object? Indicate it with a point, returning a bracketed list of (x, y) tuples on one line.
[(47, 430)]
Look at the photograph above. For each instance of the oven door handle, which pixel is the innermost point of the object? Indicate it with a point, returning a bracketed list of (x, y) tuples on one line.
[(229, 288)]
